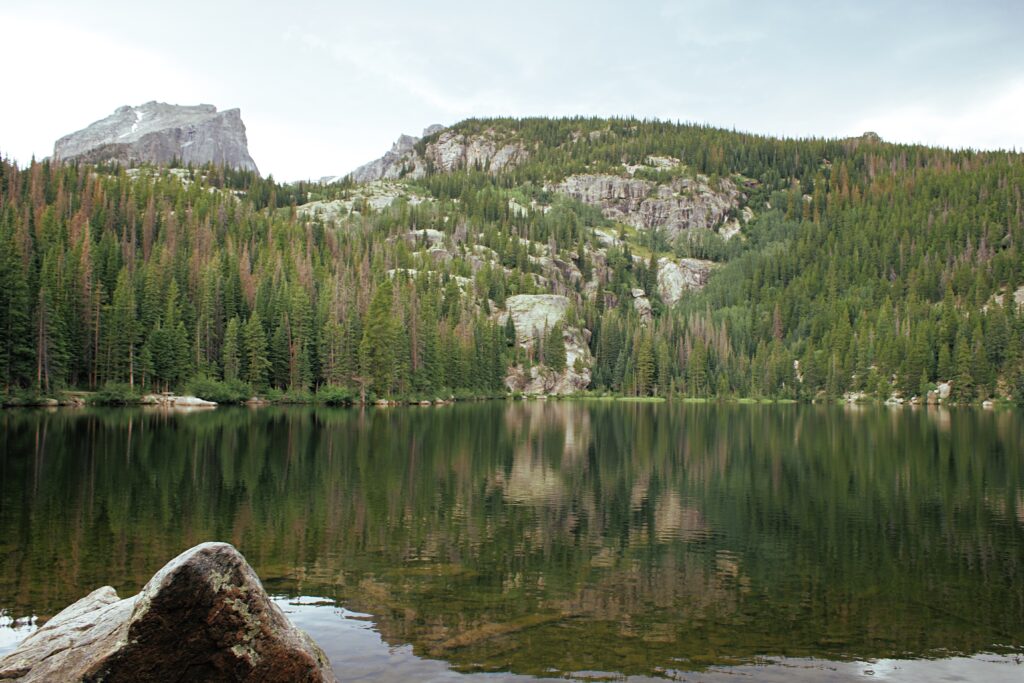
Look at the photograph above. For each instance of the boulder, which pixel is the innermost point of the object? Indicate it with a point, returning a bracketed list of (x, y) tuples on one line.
[(642, 305), (173, 401), (203, 617)]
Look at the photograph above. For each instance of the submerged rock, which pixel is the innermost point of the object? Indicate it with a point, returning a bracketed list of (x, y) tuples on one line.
[(203, 617)]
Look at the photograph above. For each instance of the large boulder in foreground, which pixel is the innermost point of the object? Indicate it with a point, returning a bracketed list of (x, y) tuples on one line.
[(203, 617)]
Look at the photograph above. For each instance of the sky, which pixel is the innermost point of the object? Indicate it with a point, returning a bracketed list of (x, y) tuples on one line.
[(326, 86)]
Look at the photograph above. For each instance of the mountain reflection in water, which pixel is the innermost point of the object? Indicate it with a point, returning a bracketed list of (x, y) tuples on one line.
[(543, 538)]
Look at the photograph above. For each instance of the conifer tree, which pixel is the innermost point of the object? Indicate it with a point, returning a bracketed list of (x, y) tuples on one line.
[(257, 363), (376, 350)]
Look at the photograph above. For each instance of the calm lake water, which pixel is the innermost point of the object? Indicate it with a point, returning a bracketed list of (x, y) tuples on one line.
[(598, 539)]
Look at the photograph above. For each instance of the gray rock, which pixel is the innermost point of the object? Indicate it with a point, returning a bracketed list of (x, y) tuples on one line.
[(677, 206), (533, 314), (173, 401), (396, 162), (642, 305), (450, 151), (158, 133), (540, 380), (676, 277), (203, 617)]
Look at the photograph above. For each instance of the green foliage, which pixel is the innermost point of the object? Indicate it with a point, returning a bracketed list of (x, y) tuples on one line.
[(336, 396), (211, 389), (876, 266), (114, 394)]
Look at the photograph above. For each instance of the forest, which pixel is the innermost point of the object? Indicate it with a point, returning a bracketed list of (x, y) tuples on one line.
[(867, 267)]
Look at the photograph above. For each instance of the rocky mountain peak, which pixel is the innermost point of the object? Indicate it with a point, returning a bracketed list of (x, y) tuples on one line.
[(159, 133), (391, 165)]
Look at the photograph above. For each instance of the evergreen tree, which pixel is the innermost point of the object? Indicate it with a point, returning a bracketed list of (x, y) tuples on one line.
[(231, 353), (254, 340), (377, 351)]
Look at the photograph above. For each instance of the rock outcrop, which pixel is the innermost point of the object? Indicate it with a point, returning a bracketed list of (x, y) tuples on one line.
[(375, 196), (173, 401), (642, 305), (160, 133), (678, 276), (533, 315), (203, 617), (450, 151), (399, 160), (676, 206)]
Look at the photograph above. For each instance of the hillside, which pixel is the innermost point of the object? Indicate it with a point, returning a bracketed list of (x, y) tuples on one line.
[(536, 255)]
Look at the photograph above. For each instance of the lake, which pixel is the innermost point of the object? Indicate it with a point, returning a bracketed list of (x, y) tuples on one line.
[(512, 540)]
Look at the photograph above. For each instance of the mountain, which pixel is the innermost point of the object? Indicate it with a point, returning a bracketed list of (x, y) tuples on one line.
[(160, 133), (530, 255), (390, 166)]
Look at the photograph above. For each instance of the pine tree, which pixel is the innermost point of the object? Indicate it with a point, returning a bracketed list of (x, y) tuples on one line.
[(16, 355), (645, 365), (124, 329), (254, 340), (554, 348), (377, 351), (231, 352), (963, 382)]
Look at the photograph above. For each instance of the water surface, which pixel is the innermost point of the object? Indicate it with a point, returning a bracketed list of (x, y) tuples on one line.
[(544, 539)]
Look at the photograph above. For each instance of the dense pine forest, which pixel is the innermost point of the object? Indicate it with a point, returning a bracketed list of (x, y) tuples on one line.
[(861, 266)]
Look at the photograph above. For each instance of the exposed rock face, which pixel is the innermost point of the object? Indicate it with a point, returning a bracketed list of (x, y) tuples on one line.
[(376, 195), (454, 151), (543, 380), (680, 205), (677, 277), (450, 151), (159, 133), (532, 315), (642, 305), (203, 617), (398, 160)]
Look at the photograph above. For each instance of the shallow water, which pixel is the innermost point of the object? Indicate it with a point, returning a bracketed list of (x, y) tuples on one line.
[(599, 540)]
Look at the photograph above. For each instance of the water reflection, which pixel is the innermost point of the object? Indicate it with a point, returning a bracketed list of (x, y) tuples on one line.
[(551, 537)]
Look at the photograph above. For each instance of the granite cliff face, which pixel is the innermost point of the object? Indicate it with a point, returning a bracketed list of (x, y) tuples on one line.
[(533, 315), (676, 206), (399, 159), (159, 133), (450, 151)]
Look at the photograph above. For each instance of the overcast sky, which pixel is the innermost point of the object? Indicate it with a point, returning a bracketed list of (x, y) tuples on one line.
[(326, 86)]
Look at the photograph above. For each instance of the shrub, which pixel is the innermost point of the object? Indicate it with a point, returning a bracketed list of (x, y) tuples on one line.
[(336, 396), (115, 394), (210, 389)]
